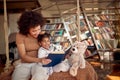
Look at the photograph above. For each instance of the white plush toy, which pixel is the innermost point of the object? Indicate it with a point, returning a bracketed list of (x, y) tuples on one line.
[(76, 59), (56, 47)]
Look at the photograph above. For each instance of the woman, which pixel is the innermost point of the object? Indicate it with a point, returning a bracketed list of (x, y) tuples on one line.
[(29, 26)]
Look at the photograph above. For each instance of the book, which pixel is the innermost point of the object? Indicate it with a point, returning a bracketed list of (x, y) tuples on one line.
[(52, 33), (56, 58), (83, 36), (58, 26), (103, 17), (99, 46), (96, 17), (58, 33), (87, 53)]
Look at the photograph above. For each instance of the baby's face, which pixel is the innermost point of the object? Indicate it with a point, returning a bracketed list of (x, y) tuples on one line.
[(45, 43)]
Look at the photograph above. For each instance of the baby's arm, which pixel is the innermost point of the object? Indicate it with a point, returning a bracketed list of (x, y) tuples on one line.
[(42, 54)]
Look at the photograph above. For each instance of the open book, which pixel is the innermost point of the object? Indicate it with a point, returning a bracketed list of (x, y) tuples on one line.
[(56, 58)]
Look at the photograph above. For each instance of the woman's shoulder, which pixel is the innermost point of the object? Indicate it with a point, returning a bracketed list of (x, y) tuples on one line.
[(19, 35), (20, 38)]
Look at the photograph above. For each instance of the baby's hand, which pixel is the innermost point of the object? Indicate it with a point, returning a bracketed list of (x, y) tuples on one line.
[(46, 61)]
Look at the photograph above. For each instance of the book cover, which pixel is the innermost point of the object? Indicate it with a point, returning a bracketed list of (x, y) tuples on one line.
[(44, 27), (56, 59), (58, 33), (98, 44), (47, 27), (58, 26)]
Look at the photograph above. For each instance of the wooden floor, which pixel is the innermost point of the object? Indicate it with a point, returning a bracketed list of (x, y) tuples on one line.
[(115, 74), (106, 70)]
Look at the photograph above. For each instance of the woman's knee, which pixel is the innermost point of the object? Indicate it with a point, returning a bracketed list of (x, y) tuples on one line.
[(21, 73)]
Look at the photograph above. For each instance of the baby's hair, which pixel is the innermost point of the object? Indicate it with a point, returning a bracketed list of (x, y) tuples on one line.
[(41, 36)]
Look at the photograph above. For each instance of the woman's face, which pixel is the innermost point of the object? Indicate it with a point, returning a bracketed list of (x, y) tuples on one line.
[(45, 43), (35, 31)]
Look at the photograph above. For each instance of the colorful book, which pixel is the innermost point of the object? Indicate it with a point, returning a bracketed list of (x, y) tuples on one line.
[(58, 33)]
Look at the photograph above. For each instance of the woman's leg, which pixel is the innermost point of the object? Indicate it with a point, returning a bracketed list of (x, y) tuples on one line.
[(39, 73), (22, 71)]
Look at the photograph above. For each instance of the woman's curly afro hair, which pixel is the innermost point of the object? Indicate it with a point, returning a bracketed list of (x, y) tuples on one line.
[(29, 19)]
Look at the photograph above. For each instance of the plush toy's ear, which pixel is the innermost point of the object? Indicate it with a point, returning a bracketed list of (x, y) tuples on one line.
[(85, 45)]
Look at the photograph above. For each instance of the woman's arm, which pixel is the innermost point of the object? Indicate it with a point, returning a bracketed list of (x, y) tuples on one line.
[(22, 52), (21, 49), (24, 56)]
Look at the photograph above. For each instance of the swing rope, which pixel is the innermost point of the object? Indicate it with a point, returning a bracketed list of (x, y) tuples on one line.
[(6, 37)]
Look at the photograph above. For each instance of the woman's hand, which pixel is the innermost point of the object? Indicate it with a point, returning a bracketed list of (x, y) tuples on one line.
[(45, 61)]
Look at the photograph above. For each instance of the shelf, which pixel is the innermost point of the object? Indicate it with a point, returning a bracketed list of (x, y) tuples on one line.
[(57, 32), (111, 50)]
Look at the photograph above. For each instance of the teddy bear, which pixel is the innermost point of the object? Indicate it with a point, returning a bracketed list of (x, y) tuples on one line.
[(76, 57)]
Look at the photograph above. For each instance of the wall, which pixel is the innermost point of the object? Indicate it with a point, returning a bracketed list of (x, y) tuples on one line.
[(12, 19), (46, 13), (12, 24), (49, 15), (2, 35)]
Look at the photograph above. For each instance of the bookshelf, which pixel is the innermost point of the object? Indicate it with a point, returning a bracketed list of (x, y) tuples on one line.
[(72, 31), (85, 35), (72, 28), (116, 22), (102, 28), (103, 33), (58, 35)]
